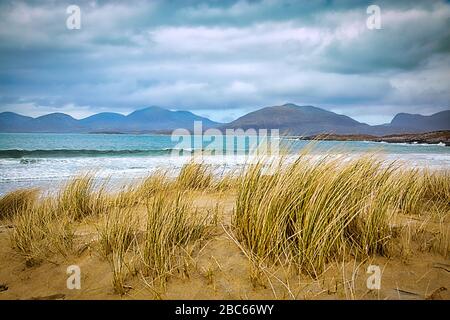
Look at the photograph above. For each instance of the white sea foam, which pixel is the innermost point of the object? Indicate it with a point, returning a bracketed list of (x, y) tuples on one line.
[(15, 174)]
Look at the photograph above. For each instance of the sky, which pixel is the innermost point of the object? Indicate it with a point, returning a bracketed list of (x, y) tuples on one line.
[(222, 59)]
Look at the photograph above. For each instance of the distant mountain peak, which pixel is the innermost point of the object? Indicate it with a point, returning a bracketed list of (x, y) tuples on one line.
[(293, 105), (292, 119), (56, 115), (434, 122), (150, 109)]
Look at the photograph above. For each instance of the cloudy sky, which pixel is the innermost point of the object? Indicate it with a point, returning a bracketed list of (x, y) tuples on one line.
[(222, 59)]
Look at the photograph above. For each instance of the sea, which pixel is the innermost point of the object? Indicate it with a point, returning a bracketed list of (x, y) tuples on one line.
[(46, 161)]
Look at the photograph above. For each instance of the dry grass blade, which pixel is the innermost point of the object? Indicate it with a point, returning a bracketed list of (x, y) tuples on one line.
[(172, 224), (17, 201), (79, 200), (117, 231), (194, 176), (39, 231)]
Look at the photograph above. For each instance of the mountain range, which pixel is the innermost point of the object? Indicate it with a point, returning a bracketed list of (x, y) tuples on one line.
[(151, 119), (289, 118), (308, 120)]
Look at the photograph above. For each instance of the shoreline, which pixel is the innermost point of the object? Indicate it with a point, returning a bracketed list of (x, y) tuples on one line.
[(433, 138)]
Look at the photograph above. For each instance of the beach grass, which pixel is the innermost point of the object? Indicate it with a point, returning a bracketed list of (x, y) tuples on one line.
[(40, 231), (172, 224), (117, 231), (194, 176), (80, 198), (310, 212), (17, 201)]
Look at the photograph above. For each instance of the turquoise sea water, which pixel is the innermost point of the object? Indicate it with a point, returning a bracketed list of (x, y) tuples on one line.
[(45, 159)]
